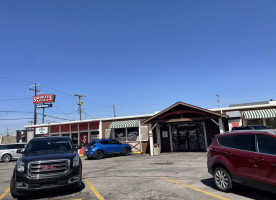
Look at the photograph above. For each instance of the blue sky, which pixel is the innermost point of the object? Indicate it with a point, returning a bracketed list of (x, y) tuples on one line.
[(140, 55)]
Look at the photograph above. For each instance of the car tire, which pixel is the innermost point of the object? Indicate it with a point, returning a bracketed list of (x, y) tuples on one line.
[(13, 190), (80, 179), (126, 152), (223, 179), (6, 157), (98, 155)]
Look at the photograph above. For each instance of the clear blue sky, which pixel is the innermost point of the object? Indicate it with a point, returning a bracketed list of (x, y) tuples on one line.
[(140, 55)]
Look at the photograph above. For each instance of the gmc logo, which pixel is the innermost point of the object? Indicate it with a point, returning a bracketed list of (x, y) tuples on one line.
[(48, 167)]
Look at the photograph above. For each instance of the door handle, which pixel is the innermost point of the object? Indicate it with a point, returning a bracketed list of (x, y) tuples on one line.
[(258, 160), (228, 153)]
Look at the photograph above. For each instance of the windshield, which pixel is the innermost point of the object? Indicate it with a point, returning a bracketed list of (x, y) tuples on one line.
[(47, 145)]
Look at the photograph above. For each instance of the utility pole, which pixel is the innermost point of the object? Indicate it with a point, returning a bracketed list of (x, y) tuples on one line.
[(114, 113), (218, 100), (35, 93), (80, 102), (7, 131)]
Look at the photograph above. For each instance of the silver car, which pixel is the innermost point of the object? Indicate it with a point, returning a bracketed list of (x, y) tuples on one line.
[(8, 151)]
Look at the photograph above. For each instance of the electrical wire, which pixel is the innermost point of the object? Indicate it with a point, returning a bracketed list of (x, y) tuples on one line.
[(16, 119), (15, 99), (12, 79), (10, 111)]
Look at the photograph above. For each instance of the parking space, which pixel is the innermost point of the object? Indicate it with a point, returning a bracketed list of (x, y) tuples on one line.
[(168, 176)]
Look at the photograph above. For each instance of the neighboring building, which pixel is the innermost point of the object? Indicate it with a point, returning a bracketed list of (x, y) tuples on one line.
[(255, 113), (8, 139), (181, 127)]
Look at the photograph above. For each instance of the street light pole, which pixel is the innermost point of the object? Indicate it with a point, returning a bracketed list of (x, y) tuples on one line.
[(35, 93)]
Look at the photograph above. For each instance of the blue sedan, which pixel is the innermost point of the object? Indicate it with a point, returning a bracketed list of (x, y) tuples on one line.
[(98, 148)]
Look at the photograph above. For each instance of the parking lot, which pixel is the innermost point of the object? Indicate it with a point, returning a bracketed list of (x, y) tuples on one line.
[(168, 176)]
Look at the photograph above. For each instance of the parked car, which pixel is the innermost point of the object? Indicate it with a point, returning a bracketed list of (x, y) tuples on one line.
[(246, 157), (8, 151), (46, 163), (98, 148), (252, 127)]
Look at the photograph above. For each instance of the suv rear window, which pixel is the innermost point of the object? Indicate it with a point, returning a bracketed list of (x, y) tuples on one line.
[(266, 144), (224, 141)]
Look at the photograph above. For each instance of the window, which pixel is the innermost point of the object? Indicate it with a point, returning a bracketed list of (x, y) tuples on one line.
[(94, 135), (271, 122), (16, 146), (75, 138), (266, 144), (224, 141), (105, 142), (254, 122), (241, 142), (49, 145), (113, 142), (120, 134), (132, 134), (3, 147), (127, 134)]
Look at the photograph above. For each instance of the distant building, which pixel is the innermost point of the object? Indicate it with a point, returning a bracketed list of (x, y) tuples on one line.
[(8, 139), (253, 113)]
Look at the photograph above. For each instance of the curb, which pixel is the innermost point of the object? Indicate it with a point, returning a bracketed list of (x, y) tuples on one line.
[(138, 152)]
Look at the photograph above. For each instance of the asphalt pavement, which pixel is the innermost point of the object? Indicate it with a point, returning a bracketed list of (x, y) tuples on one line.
[(168, 176)]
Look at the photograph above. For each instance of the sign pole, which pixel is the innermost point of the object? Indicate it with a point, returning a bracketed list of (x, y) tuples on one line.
[(43, 116)]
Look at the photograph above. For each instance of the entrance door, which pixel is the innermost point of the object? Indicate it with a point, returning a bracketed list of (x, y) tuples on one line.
[(183, 139), (187, 137), (165, 139)]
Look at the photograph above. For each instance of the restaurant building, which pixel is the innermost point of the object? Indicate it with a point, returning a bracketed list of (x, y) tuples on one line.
[(180, 127)]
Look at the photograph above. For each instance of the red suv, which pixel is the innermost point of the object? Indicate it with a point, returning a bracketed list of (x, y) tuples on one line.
[(247, 157)]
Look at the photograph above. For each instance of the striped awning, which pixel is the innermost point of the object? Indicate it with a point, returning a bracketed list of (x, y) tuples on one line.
[(259, 114), (124, 124)]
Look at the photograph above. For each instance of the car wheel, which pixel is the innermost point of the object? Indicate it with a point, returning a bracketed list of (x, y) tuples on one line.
[(6, 157), (223, 180), (13, 190), (80, 178), (99, 155), (126, 152)]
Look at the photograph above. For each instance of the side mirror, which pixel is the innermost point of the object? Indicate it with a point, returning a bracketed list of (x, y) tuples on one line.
[(78, 147), (19, 151)]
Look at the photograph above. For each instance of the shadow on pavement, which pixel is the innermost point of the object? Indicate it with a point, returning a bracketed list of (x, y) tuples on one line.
[(244, 191), (53, 193)]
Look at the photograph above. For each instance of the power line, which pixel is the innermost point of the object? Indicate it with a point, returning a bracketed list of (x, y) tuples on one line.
[(14, 99), (98, 103), (89, 115), (16, 119), (63, 113), (57, 117), (10, 111), (12, 79)]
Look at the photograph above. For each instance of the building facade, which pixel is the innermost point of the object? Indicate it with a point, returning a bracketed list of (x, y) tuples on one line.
[(180, 127)]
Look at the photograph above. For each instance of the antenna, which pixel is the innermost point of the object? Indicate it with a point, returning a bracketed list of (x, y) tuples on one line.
[(218, 100)]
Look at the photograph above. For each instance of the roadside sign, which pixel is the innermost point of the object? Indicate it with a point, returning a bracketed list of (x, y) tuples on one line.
[(42, 130), (46, 105), (44, 98)]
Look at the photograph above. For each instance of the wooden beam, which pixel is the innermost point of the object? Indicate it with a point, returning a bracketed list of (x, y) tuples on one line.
[(184, 119)]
